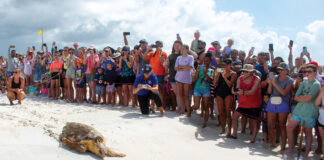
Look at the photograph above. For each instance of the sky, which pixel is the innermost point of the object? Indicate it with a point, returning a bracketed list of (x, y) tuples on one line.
[(101, 23)]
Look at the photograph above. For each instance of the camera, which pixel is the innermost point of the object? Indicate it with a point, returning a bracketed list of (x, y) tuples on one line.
[(136, 47), (126, 33), (154, 46), (291, 43)]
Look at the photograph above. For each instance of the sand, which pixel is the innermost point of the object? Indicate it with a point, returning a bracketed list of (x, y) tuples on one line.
[(30, 132)]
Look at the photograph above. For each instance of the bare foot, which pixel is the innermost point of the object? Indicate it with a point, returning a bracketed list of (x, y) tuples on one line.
[(19, 102), (161, 111), (204, 125), (11, 103)]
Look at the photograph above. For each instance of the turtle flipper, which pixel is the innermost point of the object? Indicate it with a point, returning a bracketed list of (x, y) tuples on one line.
[(111, 153), (74, 145)]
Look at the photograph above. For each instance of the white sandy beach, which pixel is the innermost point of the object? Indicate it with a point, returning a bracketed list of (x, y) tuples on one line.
[(30, 132)]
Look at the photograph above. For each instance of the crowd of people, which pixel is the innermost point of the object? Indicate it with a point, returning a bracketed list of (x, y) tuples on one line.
[(268, 93)]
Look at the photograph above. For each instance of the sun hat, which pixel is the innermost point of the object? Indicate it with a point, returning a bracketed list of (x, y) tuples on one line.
[(248, 68)]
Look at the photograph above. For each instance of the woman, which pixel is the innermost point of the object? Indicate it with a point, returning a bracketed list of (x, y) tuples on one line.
[(224, 97), (3, 63), (202, 87), (126, 63), (28, 68), (184, 65), (249, 99), (172, 72), (55, 69), (70, 75), (278, 106), (16, 84), (63, 80)]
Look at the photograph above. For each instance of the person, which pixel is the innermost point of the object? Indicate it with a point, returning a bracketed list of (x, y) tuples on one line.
[(139, 55), (249, 99), (70, 75), (175, 53), (16, 85), (100, 87), (37, 72), (146, 87), (228, 49), (203, 78), (3, 80), (320, 102), (13, 61), (278, 106), (156, 60), (28, 67), (75, 49), (79, 78), (55, 69), (126, 63), (110, 80), (184, 65), (3, 63), (194, 43), (305, 110), (224, 82), (91, 62)]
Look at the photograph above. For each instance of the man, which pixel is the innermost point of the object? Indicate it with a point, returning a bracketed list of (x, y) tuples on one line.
[(16, 85), (156, 60), (146, 86), (13, 61), (139, 55)]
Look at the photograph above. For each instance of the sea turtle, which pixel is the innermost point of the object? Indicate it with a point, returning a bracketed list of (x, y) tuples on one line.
[(81, 137)]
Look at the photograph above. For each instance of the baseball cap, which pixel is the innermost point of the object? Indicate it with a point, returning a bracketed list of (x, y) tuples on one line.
[(147, 68), (313, 63), (283, 65)]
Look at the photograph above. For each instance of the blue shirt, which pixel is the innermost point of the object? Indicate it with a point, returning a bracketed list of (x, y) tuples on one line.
[(152, 80), (262, 71)]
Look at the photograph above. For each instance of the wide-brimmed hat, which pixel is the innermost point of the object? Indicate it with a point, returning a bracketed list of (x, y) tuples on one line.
[(115, 55), (248, 68), (283, 66)]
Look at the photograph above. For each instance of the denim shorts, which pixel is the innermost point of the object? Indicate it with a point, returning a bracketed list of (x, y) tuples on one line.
[(309, 122), (160, 81), (100, 90), (202, 92)]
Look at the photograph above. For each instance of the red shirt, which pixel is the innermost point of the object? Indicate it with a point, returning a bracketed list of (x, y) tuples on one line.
[(249, 101)]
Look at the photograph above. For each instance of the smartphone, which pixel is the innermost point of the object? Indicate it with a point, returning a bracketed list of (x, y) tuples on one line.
[(271, 75), (126, 33), (271, 47), (304, 50), (291, 43), (144, 86), (44, 44), (220, 69), (154, 46), (252, 49), (178, 35), (34, 48)]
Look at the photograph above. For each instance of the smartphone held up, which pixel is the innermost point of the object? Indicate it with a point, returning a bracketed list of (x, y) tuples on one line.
[(126, 33), (304, 50), (270, 47)]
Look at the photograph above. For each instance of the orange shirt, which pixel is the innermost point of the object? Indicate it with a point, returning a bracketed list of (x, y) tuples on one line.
[(155, 61), (56, 65)]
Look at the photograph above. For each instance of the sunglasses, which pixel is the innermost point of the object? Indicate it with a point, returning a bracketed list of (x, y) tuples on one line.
[(307, 71), (15, 72)]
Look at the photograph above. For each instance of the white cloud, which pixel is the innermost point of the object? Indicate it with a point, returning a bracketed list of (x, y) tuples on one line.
[(102, 23)]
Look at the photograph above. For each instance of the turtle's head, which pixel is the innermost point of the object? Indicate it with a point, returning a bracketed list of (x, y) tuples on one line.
[(99, 147)]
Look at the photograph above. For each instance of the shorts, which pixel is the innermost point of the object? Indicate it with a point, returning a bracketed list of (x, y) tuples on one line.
[(160, 81), (90, 77), (202, 92), (309, 121), (128, 80), (320, 125), (55, 75), (253, 113), (110, 88), (70, 73), (81, 85), (172, 80), (118, 84), (100, 90), (278, 108)]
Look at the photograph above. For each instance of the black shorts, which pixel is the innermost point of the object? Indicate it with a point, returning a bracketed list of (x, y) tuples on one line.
[(320, 125), (253, 113), (55, 75), (117, 82), (128, 80)]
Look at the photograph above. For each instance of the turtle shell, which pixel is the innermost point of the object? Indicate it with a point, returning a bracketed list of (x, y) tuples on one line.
[(77, 132)]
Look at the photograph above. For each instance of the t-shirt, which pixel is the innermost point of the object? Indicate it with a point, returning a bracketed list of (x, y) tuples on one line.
[(152, 80), (155, 61), (307, 109), (282, 85), (100, 78), (202, 82), (263, 72), (228, 51), (184, 76), (79, 73), (110, 76), (91, 65), (12, 63), (28, 66), (56, 65), (172, 60)]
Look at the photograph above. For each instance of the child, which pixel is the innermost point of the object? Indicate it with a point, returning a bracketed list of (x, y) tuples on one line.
[(227, 50), (43, 90), (100, 80), (194, 43), (79, 73), (110, 79)]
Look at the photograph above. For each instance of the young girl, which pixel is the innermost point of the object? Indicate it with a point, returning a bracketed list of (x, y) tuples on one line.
[(194, 43), (100, 88), (228, 49), (79, 78), (110, 79)]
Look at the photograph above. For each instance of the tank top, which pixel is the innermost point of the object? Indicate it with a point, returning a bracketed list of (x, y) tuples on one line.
[(249, 101), (126, 71), (195, 46), (15, 85), (222, 87)]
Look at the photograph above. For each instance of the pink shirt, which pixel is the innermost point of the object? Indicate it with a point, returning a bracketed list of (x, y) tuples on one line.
[(91, 64)]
